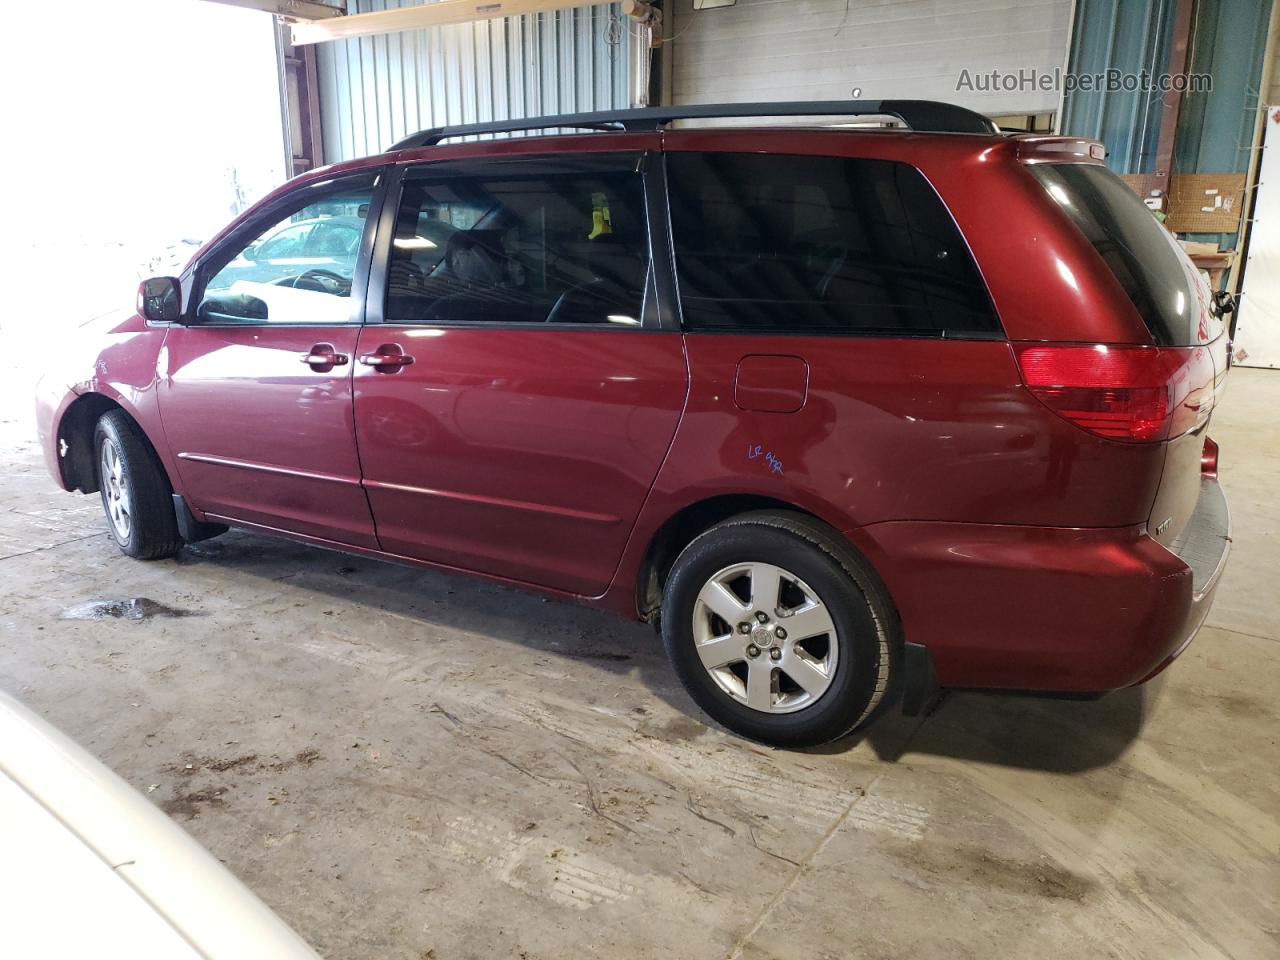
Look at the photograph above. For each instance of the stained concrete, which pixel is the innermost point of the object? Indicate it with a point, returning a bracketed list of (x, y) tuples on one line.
[(406, 764)]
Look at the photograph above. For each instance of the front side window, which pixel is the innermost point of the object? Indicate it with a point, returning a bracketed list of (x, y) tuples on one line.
[(298, 270), (819, 245), (521, 242)]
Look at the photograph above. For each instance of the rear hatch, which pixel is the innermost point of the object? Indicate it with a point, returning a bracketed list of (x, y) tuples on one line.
[(1163, 393)]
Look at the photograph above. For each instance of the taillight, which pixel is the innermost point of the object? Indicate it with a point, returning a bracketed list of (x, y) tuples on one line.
[(1130, 393)]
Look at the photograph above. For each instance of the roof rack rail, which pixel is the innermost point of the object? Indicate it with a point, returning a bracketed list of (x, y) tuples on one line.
[(929, 116)]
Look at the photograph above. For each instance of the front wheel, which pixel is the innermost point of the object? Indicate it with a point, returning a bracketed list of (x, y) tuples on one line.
[(136, 496), (777, 631)]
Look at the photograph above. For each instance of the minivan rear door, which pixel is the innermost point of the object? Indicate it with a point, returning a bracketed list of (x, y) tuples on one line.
[(515, 389)]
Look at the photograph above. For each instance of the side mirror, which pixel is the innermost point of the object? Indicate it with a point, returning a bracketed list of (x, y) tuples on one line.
[(250, 252), (160, 299)]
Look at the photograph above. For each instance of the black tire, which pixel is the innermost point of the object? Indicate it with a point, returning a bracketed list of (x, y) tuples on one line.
[(151, 532), (863, 617)]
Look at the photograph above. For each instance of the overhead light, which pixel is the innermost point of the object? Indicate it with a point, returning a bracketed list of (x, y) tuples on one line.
[(414, 243)]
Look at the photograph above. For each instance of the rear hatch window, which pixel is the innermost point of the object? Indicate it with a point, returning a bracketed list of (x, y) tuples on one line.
[(1164, 286)]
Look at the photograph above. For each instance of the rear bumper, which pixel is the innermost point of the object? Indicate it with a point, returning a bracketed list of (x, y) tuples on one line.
[(1051, 608), (1204, 547)]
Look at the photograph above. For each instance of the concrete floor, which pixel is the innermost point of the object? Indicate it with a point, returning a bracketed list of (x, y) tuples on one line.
[(409, 765)]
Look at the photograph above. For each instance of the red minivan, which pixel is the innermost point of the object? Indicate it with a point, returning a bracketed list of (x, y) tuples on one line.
[(846, 412)]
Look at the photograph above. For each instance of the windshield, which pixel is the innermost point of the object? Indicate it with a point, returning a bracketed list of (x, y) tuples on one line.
[(1164, 286)]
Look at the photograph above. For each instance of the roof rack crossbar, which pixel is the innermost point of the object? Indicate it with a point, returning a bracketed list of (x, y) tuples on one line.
[(926, 116)]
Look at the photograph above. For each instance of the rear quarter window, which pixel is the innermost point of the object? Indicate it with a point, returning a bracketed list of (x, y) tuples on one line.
[(1157, 276), (820, 245)]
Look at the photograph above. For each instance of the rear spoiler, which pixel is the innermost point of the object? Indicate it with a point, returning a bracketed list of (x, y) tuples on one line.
[(1039, 149)]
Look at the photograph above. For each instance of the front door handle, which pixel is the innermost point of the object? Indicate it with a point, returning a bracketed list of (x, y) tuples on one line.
[(323, 356), (388, 358)]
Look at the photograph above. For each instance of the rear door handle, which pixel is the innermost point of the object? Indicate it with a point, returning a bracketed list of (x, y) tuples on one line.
[(324, 355), (388, 358)]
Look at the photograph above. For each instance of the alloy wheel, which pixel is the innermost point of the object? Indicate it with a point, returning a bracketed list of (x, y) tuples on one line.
[(115, 493), (765, 637)]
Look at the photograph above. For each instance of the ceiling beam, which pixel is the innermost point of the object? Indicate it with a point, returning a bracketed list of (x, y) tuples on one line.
[(425, 15), (293, 9)]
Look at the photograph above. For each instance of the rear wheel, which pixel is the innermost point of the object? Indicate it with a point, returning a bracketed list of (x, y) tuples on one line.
[(777, 631), (136, 496)]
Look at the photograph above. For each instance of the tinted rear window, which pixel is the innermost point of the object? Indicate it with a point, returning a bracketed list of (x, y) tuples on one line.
[(1141, 253), (819, 245)]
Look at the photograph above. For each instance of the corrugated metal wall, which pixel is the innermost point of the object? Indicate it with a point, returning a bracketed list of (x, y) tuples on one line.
[(376, 90), (1128, 35), (822, 49), (1215, 128)]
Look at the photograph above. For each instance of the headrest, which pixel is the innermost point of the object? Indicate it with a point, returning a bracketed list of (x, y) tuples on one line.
[(474, 257)]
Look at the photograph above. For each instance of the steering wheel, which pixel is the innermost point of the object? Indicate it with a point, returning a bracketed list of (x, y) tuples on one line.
[(321, 281), (590, 299)]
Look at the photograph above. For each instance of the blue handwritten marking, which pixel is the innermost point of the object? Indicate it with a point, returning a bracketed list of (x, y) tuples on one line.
[(757, 451)]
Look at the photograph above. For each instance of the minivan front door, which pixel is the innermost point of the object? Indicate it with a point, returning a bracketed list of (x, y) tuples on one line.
[(255, 387), (516, 400)]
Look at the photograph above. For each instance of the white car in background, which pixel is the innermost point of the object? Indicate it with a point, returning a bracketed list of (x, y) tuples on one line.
[(90, 868)]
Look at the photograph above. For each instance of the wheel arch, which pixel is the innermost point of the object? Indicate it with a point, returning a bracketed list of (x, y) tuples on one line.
[(75, 429), (684, 525)]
